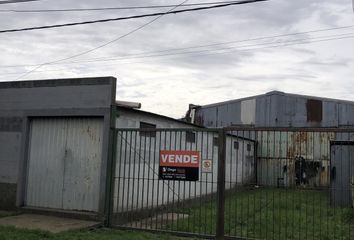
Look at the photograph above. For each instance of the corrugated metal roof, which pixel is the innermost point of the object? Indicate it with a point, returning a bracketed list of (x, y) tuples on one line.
[(278, 93), (278, 109)]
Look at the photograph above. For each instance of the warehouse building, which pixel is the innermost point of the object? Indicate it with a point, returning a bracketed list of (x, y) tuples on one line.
[(275, 109), (302, 140)]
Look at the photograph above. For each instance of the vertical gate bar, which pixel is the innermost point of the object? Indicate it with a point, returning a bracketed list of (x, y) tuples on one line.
[(132, 149), (247, 183), (230, 184), (164, 147), (174, 185), (195, 192), (320, 195), (221, 187), (281, 170), (149, 182), (206, 186), (134, 169), (307, 156), (124, 169), (153, 180), (235, 190), (179, 182), (273, 190), (212, 182), (315, 190), (201, 187), (243, 198), (138, 174), (158, 179), (168, 181), (212, 185), (260, 182), (328, 151), (146, 135), (188, 147), (118, 173), (253, 183), (287, 182), (129, 142), (351, 187), (109, 195)]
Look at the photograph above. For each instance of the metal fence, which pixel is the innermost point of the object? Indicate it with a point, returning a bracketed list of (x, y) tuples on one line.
[(250, 183)]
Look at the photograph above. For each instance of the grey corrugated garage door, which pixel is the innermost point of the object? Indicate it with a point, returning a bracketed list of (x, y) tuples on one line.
[(64, 163)]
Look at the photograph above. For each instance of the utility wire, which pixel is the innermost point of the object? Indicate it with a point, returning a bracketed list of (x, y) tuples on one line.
[(99, 46), (326, 38), (222, 43), (17, 1), (129, 17), (198, 46), (215, 52), (113, 8)]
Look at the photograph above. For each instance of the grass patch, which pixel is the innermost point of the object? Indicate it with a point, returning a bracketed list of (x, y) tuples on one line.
[(11, 233), (272, 214), (8, 213)]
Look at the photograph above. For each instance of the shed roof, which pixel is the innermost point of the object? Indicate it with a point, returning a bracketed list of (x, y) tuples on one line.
[(126, 108), (278, 93)]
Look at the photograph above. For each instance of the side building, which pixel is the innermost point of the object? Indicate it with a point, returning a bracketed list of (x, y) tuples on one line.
[(139, 186), (300, 139), (275, 109)]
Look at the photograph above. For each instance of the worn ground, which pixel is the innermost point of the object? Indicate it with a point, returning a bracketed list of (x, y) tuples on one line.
[(11, 233), (19, 233), (45, 223)]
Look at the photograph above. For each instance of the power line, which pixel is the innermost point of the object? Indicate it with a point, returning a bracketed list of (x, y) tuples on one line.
[(215, 52), (99, 46), (129, 17), (327, 38), (16, 1), (203, 46), (141, 55), (113, 8)]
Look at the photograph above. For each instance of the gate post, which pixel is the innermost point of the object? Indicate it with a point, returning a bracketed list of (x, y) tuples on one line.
[(110, 173), (220, 211)]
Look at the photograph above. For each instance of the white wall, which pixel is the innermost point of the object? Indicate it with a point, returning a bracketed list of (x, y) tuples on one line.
[(137, 185)]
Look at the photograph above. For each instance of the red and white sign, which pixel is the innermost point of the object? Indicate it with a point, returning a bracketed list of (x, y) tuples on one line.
[(171, 158)]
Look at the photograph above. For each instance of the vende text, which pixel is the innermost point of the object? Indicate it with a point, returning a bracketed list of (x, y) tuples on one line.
[(179, 158)]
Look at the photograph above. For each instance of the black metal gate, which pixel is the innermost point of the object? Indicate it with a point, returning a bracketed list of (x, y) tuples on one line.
[(252, 183)]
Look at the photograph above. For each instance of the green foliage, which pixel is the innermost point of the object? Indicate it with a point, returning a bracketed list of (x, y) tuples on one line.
[(272, 214)]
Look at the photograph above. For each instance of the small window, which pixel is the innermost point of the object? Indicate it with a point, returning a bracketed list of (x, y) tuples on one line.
[(190, 136), (236, 145), (249, 147), (314, 110), (147, 133), (216, 141)]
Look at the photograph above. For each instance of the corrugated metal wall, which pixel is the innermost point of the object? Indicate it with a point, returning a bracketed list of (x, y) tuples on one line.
[(64, 163), (277, 109), (278, 152)]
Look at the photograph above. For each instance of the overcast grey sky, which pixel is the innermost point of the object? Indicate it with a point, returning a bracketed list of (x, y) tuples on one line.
[(167, 84)]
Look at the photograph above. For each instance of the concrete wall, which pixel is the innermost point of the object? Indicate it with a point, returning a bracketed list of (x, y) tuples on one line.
[(23, 100)]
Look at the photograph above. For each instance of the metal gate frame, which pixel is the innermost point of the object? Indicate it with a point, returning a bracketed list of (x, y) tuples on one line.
[(220, 206)]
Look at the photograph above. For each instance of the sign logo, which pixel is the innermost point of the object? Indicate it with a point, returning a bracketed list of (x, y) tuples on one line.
[(207, 166), (179, 165)]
